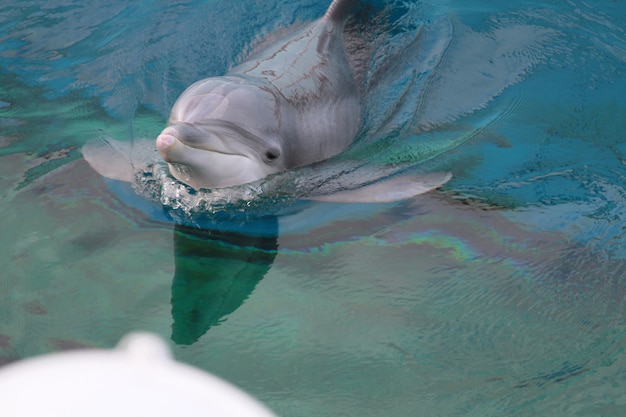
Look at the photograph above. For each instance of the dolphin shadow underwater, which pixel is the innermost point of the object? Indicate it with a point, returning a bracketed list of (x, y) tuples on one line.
[(215, 272)]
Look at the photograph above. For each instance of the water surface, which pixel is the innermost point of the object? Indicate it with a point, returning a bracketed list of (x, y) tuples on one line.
[(500, 294)]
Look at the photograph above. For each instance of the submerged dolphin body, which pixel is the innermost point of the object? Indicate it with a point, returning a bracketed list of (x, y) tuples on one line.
[(293, 103)]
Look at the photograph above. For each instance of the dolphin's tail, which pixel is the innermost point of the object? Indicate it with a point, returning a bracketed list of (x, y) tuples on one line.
[(340, 10)]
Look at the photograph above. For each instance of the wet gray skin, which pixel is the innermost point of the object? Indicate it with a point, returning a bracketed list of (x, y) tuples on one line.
[(291, 104)]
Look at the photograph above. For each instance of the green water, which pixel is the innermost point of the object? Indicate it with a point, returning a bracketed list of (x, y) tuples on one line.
[(501, 294)]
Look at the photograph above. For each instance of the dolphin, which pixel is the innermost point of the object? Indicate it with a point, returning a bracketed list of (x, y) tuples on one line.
[(292, 103)]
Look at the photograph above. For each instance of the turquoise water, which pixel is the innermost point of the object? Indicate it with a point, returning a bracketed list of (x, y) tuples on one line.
[(500, 294)]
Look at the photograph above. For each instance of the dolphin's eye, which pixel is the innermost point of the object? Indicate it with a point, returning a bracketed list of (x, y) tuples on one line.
[(272, 155)]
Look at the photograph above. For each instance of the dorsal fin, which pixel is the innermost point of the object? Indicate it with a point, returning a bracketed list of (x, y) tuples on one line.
[(339, 10)]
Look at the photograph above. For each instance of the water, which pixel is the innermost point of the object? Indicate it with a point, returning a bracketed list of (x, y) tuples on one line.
[(501, 294)]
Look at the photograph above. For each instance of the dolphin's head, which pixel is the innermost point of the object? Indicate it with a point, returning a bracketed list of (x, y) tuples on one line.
[(216, 155), (223, 132)]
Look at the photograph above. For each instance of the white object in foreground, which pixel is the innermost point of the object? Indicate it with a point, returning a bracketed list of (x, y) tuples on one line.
[(137, 378)]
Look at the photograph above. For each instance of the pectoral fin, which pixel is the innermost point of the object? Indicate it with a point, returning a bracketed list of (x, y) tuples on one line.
[(394, 189), (109, 158), (119, 160)]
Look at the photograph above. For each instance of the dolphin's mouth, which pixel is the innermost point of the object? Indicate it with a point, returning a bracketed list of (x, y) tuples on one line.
[(172, 149), (215, 135), (201, 168)]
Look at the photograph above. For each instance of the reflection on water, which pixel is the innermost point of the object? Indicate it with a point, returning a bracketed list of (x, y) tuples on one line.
[(216, 272), (502, 294)]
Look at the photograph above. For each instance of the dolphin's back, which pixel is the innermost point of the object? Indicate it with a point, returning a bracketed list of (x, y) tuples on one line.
[(309, 71), (339, 10)]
